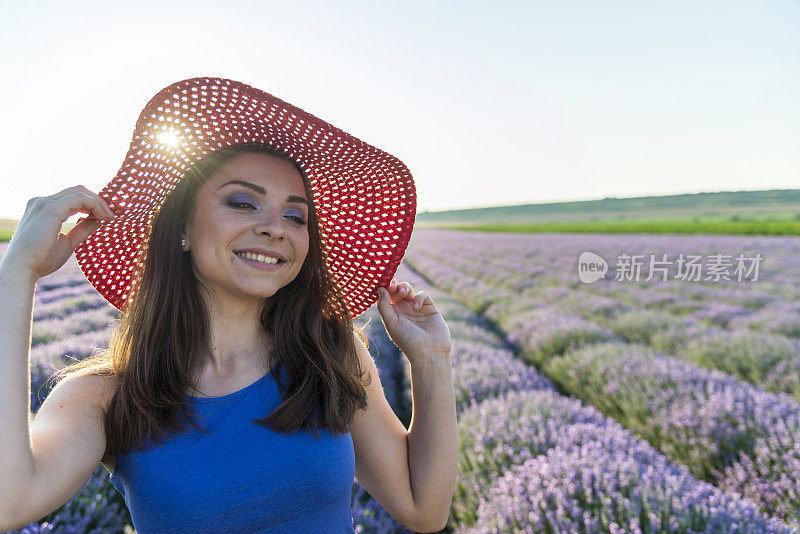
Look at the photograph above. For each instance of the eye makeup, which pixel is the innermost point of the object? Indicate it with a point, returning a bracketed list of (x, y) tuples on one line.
[(239, 200), (245, 202)]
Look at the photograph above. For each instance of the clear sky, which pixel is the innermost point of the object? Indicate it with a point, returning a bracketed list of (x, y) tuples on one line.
[(487, 103)]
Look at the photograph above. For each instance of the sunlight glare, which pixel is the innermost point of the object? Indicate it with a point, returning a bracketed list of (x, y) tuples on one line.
[(168, 138)]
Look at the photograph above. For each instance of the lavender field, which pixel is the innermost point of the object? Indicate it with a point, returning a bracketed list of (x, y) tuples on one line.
[(611, 406), (704, 372)]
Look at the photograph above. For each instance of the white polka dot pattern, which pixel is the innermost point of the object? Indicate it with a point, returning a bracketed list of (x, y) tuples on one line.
[(365, 197)]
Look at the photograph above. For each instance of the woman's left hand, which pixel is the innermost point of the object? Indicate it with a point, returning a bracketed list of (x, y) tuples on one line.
[(413, 322)]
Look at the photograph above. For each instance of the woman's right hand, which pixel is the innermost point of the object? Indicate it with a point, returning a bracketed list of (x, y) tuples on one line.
[(38, 243)]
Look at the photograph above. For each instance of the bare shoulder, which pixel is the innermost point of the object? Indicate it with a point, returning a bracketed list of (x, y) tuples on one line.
[(98, 388)]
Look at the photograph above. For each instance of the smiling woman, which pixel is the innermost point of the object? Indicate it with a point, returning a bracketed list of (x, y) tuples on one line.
[(230, 320), (248, 203), (236, 394), (241, 296)]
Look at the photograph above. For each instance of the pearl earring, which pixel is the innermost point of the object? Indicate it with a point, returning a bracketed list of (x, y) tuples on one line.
[(183, 242)]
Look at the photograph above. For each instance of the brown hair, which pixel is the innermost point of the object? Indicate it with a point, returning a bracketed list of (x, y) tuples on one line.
[(162, 339)]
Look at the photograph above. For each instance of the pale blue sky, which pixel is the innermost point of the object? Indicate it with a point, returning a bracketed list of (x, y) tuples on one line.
[(487, 103)]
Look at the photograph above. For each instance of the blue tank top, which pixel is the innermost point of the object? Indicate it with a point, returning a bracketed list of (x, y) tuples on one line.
[(240, 477)]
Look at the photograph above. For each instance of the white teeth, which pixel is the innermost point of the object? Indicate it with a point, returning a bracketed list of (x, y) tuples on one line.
[(258, 257)]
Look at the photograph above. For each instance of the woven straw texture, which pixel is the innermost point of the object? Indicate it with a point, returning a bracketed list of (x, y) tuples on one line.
[(365, 197)]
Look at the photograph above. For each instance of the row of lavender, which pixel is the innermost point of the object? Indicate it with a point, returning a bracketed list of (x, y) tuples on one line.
[(725, 430), (532, 460), (71, 321), (749, 329)]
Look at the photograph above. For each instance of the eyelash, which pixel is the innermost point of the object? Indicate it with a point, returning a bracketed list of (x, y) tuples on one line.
[(298, 220)]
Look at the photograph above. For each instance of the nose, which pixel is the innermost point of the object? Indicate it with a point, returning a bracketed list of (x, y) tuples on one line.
[(271, 225)]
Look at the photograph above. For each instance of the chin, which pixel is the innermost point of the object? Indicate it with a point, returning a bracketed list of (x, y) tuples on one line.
[(259, 294)]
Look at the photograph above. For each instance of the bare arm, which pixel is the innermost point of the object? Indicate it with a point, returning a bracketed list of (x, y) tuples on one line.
[(433, 437), (37, 249), (16, 458), (381, 445), (413, 472)]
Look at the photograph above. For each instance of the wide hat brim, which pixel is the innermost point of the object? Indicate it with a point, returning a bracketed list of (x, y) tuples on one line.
[(365, 197)]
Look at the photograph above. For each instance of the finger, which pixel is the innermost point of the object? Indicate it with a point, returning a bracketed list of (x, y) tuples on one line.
[(395, 296), (105, 207), (67, 191), (411, 295), (396, 288), (406, 290), (384, 302), (81, 231), (61, 194), (400, 294), (419, 299), (81, 201)]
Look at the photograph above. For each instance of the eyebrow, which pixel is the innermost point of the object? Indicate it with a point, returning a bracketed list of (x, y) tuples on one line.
[(262, 191)]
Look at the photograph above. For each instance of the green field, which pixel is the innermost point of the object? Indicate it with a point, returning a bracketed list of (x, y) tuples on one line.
[(7, 227), (755, 205), (773, 212), (644, 226)]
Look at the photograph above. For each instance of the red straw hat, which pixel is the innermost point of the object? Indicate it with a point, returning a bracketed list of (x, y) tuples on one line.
[(365, 197)]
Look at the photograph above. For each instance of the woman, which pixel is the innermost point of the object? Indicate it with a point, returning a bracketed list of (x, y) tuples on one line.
[(235, 394)]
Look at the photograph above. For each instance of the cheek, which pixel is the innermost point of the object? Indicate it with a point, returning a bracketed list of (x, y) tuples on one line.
[(201, 262), (305, 248), (207, 258)]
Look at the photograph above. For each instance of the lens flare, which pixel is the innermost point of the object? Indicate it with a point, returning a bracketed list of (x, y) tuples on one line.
[(168, 138)]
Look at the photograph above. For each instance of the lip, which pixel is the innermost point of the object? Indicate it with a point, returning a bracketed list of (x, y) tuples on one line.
[(263, 266), (262, 251)]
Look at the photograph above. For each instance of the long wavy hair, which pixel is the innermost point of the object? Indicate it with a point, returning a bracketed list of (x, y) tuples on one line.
[(162, 339)]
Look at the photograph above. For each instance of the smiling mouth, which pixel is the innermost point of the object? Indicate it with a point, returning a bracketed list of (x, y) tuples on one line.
[(255, 258), (265, 267)]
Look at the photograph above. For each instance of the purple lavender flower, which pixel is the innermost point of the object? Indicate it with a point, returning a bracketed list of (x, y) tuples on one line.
[(600, 479)]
